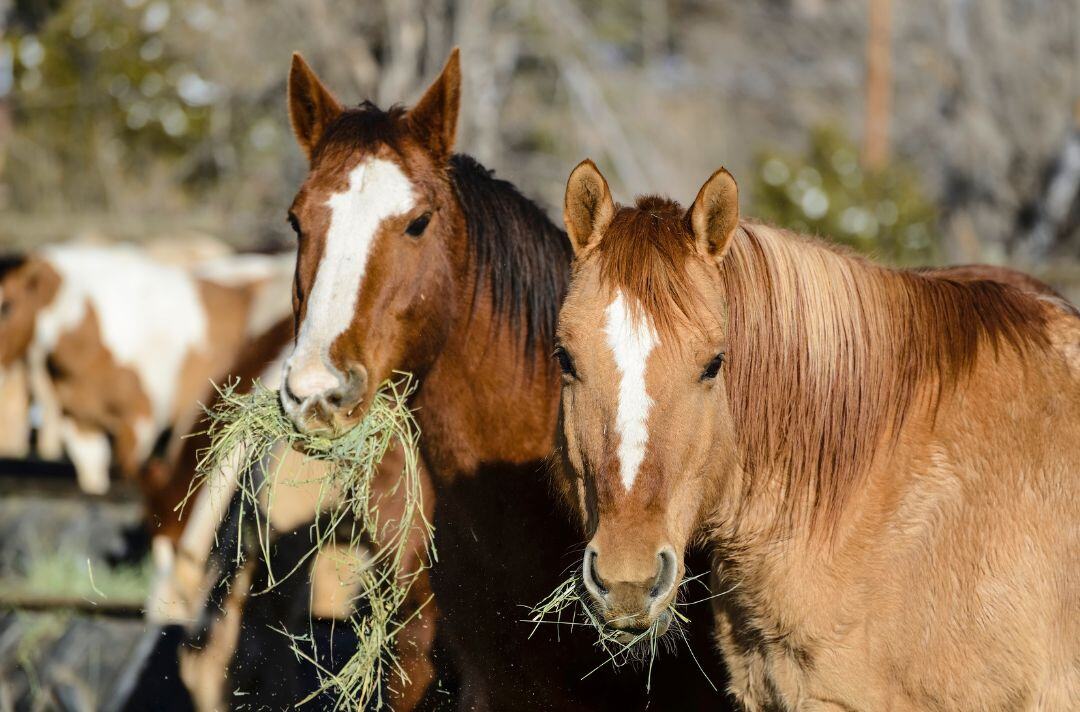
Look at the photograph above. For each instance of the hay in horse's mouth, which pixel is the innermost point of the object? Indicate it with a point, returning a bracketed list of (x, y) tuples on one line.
[(618, 646), (248, 431)]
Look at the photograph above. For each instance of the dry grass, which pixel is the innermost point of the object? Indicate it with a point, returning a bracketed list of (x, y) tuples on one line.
[(248, 431), (570, 605)]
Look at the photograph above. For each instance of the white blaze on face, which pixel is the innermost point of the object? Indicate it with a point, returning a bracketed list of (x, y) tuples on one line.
[(630, 342), (378, 190)]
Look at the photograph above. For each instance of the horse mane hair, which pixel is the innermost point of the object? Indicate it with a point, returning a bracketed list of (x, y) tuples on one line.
[(521, 257), (362, 125), (827, 352)]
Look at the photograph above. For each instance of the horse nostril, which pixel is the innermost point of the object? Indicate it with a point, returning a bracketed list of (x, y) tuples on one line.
[(665, 576), (288, 391), (358, 377), (320, 410), (588, 573)]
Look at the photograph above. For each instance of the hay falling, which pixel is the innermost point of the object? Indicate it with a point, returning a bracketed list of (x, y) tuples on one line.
[(250, 435), (569, 605)]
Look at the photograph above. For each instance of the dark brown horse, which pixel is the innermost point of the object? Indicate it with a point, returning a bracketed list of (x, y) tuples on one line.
[(414, 258)]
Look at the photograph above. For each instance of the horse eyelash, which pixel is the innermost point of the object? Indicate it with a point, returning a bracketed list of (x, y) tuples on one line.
[(416, 227), (566, 364), (294, 223), (713, 368)]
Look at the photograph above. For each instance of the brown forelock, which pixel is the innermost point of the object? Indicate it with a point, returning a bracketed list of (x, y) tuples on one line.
[(829, 353), (643, 253)]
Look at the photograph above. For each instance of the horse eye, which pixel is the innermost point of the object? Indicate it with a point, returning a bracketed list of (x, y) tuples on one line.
[(295, 224), (566, 364), (713, 368), (416, 227)]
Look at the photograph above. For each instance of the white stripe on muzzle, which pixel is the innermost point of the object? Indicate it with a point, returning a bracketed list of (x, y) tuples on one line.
[(378, 190), (630, 341)]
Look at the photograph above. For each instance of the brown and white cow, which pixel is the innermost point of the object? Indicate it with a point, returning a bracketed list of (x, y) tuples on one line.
[(119, 347)]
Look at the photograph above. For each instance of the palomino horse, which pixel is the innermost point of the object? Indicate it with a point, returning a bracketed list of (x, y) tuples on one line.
[(883, 462), (412, 258)]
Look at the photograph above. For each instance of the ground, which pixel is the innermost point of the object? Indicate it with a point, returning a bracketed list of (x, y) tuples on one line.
[(68, 621)]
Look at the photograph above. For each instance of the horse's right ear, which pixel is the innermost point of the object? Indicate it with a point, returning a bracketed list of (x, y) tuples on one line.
[(588, 209), (715, 214), (311, 105), (435, 115)]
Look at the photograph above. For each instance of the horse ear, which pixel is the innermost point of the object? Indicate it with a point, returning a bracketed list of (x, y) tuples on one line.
[(588, 209), (715, 213), (435, 116), (311, 105)]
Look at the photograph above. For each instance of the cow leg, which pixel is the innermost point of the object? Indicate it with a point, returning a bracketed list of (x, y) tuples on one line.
[(45, 401), (14, 412), (90, 453)]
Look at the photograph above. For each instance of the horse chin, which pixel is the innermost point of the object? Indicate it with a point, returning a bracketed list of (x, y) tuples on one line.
[(330, 427), (658, 627)]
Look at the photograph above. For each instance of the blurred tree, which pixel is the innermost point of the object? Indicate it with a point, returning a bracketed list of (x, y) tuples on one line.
[(828, 192), (103, 100), (659, 92)]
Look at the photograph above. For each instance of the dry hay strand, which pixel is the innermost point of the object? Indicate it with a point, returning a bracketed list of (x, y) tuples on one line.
[(570, 605), (251, 436)]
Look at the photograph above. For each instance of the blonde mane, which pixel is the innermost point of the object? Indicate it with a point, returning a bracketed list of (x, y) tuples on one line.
[(828, 353)]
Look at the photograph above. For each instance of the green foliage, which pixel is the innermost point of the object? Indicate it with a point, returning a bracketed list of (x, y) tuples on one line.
[(99, 90), (828, 193)]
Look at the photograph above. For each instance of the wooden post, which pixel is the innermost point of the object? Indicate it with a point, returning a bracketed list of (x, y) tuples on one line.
[(878, 85)]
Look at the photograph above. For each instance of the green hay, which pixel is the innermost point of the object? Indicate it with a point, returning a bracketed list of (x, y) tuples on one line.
[(248, 431), (569, 605)]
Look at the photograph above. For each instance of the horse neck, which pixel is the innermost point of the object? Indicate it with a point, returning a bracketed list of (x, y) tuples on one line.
[(834, 357), (486, 399), (879, 357)]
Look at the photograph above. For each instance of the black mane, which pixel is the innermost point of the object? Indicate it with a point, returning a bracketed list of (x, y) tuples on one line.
[(520, 255)]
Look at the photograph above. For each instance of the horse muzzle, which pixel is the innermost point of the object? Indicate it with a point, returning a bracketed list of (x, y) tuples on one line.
[(631, 605), (324, 402)]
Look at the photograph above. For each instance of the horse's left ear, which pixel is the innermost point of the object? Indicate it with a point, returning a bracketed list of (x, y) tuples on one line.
[(715, 214), (435, 116)]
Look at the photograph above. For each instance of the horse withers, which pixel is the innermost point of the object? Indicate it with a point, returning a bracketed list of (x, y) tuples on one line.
[(883, 462)]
